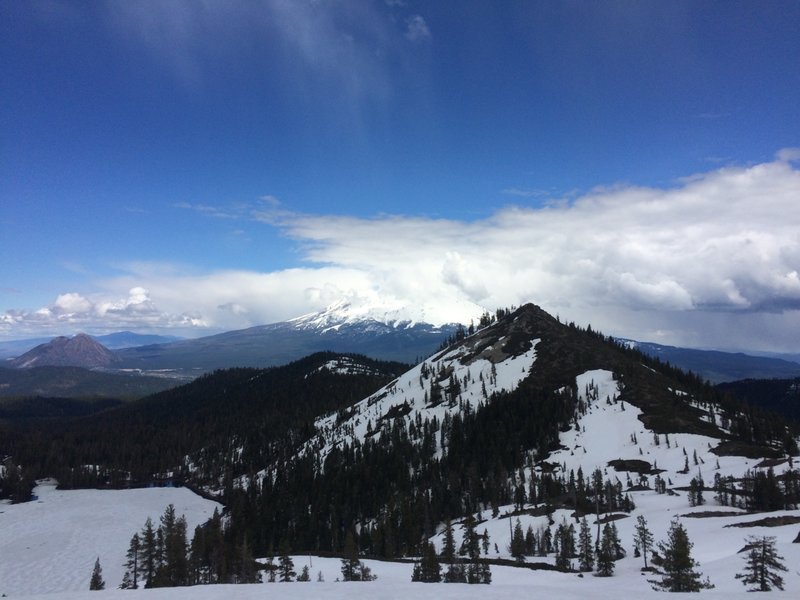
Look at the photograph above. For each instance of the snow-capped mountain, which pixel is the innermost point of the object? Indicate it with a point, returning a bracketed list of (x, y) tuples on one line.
[(383, 329), (390, 313)]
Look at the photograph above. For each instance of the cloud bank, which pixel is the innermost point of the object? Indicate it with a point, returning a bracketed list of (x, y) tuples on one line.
[(712, 261)]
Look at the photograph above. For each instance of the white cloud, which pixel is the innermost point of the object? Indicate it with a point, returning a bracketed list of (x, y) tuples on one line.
[(711, 261), (788, 154), (417, 29), (71, 303)]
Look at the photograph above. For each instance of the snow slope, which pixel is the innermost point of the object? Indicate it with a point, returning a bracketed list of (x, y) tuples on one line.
[(49, 545), (604, 434), (477, 372)]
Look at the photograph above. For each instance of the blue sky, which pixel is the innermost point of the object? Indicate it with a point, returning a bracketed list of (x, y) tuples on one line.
[(198, 166)]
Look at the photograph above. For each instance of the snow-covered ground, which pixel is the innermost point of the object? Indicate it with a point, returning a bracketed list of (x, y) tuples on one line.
[(49, 545), (394, 583)]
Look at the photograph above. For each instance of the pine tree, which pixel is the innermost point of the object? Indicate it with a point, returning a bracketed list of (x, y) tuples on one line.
[(127, 582), (606, 553), (247, 571), (517, 546), (455, 572), (286, 570), (132, 564), (565, 537), (305, 575), (148, 560), (585, 549), (352, 568), (96, 582), (763, 565), (677, 566), (643, 537), (350, 562), (428, 569)]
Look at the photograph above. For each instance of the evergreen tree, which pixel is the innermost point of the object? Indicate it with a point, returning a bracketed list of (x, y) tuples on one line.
[(676, 564), (455, 572), (585, 549), (642, 537), (616, 543), (174, 567), (428, 569), (247, 571), (96, 582), (270, 568), (352, 568), (350, 562), (127, 582), (304, 574), (148, 559), (132, 564), (606, 553), (286, 570), (449, 544), (763, 565), (565, 539), (517, 546)]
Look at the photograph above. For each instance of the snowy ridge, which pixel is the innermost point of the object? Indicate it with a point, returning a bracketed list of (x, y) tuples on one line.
[(458, 379)]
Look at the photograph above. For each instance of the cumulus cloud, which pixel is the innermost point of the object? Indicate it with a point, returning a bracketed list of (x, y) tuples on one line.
[(710, 261), (73, 312), (724, 242)]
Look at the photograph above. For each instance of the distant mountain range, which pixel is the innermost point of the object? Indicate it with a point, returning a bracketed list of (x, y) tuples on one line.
[(381, 331), (716, 366)]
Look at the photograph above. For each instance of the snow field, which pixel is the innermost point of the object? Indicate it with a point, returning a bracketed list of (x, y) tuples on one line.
[(49, 545)]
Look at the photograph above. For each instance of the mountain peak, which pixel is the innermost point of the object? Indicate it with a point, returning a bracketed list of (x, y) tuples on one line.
[(388, 311), (79, 351)]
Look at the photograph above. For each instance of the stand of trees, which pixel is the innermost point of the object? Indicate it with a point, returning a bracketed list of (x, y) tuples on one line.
[(162, 557)]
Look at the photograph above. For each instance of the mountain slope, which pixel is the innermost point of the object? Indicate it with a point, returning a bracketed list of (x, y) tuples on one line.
[(227, 422)]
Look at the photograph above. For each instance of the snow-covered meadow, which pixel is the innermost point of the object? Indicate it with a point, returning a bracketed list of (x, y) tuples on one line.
[(49, 545)]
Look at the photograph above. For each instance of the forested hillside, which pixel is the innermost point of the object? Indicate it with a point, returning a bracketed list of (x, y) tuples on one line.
[(526, 418)]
